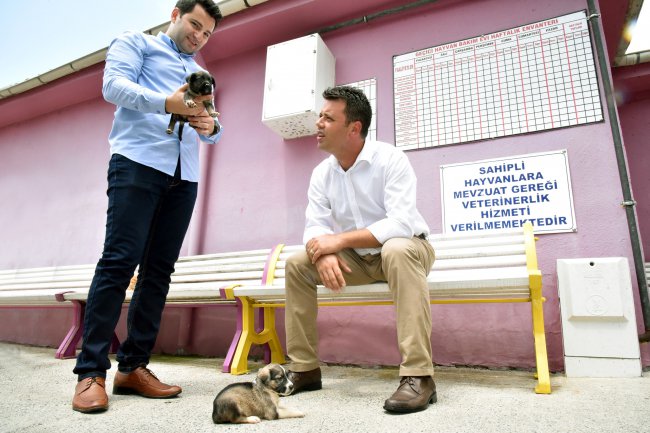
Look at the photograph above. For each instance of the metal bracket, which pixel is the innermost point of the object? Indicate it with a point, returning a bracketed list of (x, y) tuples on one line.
[(628, 203)]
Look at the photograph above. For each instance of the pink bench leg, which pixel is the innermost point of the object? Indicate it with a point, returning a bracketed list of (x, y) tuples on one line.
[(68, 347), (227, 362)]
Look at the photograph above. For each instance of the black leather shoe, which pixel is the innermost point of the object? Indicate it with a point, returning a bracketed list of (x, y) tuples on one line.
[(413, 394), (305, 380)]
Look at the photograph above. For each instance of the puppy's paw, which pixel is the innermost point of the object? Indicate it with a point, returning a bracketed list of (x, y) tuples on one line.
[(190, 104), (287, 412), (253, 419), (169, 131)]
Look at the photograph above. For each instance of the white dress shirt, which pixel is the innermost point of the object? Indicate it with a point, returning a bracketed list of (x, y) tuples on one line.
[(377, 193)]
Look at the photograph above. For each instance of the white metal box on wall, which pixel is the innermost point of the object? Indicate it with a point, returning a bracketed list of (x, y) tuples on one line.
[(297, 72), (598, 320)]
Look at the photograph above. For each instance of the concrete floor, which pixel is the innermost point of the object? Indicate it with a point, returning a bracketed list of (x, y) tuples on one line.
[(37, 392)]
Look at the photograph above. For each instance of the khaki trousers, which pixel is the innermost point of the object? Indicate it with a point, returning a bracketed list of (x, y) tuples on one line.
[(404, 264)]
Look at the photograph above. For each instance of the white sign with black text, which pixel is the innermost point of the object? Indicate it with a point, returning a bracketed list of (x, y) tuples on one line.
[(508, 192)]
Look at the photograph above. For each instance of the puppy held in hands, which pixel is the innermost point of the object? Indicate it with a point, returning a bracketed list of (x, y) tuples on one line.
[(200, 83), (251, 402)]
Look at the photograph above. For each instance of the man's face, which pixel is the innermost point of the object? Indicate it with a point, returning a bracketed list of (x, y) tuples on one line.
[(192, 30), (333, 132)]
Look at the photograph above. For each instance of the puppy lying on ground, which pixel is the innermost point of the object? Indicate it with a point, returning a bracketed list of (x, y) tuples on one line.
[(200, 83), (250, 402)]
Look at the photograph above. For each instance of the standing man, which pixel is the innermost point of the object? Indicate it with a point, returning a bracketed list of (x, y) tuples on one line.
[(152, 187), (362, 226)]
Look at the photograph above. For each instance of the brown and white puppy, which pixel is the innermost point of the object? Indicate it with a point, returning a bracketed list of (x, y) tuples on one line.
[(200, 83), (251, 402)]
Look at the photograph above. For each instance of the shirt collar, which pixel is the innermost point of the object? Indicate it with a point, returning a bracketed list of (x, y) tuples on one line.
[(368, 152), (170, 42)]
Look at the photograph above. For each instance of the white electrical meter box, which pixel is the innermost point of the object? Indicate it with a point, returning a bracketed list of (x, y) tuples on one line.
[(297, 72), (599, 328)]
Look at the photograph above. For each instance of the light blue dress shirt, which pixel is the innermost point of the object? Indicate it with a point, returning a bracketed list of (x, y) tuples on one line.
[(141, 71)]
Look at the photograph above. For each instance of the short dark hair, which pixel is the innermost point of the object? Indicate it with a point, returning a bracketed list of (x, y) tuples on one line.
[(357, 107), (186, 6)]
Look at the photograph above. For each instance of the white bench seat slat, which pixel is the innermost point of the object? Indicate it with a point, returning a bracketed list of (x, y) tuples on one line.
[(448, 243), (29, 297), (485, 234), (218, 276), (221, 262), (450, 251), (262, 253), (451, 263), (59, 285), (467, 282), (46, 270), (221, 269)]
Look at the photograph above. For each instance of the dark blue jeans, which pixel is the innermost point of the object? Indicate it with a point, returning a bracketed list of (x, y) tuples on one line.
[(147, 218)]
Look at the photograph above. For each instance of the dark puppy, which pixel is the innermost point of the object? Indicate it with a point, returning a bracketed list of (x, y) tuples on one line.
[(250, 402), (200, 83)]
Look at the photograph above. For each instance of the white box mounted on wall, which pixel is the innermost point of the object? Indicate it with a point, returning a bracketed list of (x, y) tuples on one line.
[(297, 72), (599, 326)]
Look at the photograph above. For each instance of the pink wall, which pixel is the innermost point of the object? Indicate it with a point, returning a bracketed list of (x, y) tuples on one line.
[(53, 177)]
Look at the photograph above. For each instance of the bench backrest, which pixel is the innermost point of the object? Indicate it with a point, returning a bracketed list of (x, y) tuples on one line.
[(495, 264), (196, 278)]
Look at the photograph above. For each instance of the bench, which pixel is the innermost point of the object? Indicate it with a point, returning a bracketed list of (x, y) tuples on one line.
[(195, 282), (490, 267)]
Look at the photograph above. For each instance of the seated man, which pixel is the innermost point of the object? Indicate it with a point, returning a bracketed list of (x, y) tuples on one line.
[(362, 226)]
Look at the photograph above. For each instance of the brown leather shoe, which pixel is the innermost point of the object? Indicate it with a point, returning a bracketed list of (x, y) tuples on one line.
[(305, 380), (142, 381), (90, 395), (413, 394)]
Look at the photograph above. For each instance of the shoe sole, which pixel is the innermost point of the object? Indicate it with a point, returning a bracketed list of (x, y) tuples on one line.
[(433, 399), (120, 390), (90, 409)]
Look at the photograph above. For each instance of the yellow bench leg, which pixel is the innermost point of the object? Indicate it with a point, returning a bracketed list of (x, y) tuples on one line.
[(249, 337), (541, 355), (271, 336)]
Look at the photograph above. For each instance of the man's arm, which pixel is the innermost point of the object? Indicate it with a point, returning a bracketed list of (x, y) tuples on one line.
[(333, 243), (124, 61)]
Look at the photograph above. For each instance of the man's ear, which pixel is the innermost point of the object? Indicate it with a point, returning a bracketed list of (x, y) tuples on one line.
[(356, 127), (176, 12)]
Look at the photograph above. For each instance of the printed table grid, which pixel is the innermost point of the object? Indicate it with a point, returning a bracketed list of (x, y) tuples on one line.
[(369, 88), (531, 78)]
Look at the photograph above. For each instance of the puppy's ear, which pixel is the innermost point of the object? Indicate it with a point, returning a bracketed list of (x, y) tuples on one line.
[(212, 79), (190, 78), (264, 374)]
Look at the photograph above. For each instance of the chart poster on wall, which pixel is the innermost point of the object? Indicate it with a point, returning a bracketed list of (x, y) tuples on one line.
[(507, 192), (525, 79), (369, 88)]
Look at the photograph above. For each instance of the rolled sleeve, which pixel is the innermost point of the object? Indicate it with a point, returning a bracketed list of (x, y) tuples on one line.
[(400, 202)]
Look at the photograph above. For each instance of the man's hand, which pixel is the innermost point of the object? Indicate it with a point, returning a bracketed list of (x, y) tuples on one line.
[(329, 268), (322, 245), (175, 103), (203, 123)]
